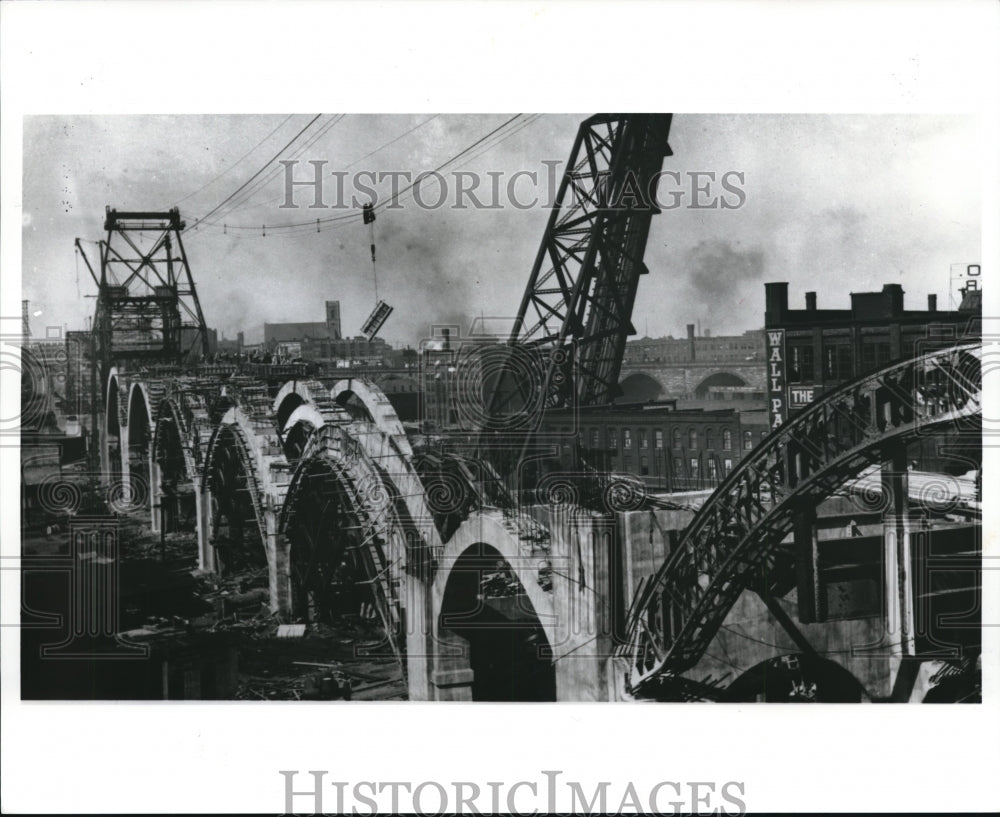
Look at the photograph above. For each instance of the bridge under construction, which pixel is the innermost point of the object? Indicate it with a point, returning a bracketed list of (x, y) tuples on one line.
[(494, 572)]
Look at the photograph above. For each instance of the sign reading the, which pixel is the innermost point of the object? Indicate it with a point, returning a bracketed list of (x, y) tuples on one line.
[(801, 396)]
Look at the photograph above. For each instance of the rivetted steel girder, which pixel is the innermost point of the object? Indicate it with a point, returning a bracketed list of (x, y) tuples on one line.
[(742, 524)]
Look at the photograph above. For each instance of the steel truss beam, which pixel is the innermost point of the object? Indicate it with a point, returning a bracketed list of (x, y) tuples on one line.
[(147, 303), (732, 542), (577, 307)]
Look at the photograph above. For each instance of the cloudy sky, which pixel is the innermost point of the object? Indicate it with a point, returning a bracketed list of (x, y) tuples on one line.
[(832, 203)]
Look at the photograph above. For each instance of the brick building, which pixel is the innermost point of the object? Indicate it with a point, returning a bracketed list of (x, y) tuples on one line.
[(812, 350), (670, 449)]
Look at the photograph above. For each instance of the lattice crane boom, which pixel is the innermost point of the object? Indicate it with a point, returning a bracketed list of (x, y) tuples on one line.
[(576, 310)]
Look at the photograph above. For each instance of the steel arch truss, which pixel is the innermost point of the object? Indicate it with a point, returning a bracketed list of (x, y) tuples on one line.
[(733, 540)]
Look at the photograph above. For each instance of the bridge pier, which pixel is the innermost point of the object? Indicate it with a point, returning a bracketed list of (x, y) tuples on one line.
[(123, 451), (418, 622), (279, 576), (105, 464), (155, 492), (582, 552), (452, 676), (203, 525), (899, 613)]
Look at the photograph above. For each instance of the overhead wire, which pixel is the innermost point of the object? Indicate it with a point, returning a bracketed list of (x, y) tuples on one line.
[(265, 167), (371, 153), (230, 167), (484, 143), (243, 200)]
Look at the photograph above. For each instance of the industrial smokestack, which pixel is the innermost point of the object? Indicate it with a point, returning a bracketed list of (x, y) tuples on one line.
[(811, 301), (932, 303), (775, 302), (691, 341)]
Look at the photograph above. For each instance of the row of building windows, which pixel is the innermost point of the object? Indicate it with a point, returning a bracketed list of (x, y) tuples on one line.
[(838, 363), (710, 470), (642, 439)]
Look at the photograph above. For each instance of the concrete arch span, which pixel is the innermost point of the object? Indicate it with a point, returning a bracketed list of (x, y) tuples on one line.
[(245, 480), (796, 678), (296, 393), (177, 492), (720, 378), (366, 399), (492, 603), (342, 520), (640, 387)]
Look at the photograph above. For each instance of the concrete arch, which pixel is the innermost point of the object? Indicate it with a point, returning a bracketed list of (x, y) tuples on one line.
[(115, 407), (137, 448), (228, 426), (179, 489), (796, 677), (298, 427), (259, 454), (453, 675), (114, 449), (169, 412), (344, 459), (339, 509), (640, 387), (718, 378), (293, 394), (488, 528), (376, 405), (138, 387)]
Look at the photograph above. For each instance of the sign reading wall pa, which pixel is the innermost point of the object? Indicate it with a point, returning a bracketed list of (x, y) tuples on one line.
[(777, 404)]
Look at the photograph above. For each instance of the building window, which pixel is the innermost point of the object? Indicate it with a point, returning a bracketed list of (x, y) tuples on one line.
[(747, 440), (643, 438), (709, 439), (727, 439), (595, 438), (694, 468), (658, 438), (727, 467), (874, 355), (693, 439), (710, 465), (677, 439), (800, 363), (627, 438), (678, 468), (838, 362), (612, 437), (644, 466)]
